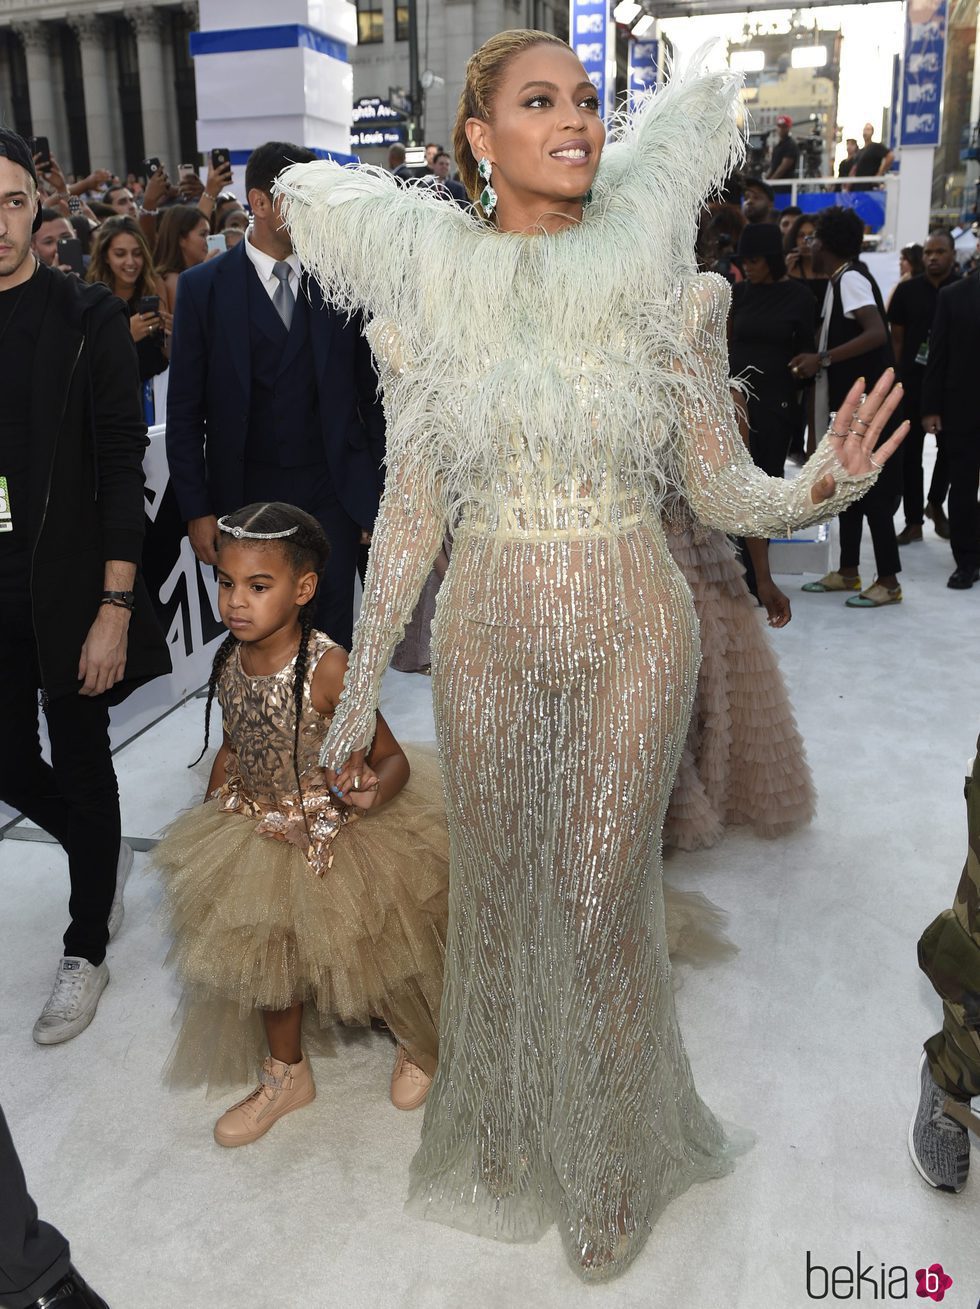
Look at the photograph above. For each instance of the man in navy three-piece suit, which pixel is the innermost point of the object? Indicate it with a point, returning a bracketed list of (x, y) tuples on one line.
[(273, 396)]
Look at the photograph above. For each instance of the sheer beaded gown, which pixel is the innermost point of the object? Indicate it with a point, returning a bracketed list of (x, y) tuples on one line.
[(589, 373)]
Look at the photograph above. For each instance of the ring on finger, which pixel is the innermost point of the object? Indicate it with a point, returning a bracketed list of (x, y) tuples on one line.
[(856, 435), (861, 421), (840, 435), (874, 462), (357, 782)]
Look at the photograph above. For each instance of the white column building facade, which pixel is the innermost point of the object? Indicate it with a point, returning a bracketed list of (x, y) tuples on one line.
[(108, 86)]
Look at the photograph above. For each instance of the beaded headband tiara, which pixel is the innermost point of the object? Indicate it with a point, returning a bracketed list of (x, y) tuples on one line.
[(243, 534)]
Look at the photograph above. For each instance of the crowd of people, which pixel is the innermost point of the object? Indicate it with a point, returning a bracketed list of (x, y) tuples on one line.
[(798, 362), (291, 905), (136, 237)]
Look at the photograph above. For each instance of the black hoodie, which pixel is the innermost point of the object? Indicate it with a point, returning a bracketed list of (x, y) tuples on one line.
[(85, 505)]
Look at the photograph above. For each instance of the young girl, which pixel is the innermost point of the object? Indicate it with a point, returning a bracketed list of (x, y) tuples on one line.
[(287, 897)]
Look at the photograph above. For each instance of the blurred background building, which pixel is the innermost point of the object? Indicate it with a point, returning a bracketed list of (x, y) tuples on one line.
[(110, 82), (794, 72), (106, 88)]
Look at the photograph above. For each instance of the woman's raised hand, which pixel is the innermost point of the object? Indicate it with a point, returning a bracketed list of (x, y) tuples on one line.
[(855, 431)]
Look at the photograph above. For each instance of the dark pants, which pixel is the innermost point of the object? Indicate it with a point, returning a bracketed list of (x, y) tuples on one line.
[(34, 1256), (878, 506), (963, 463), (76, 797), (771, 434), (911, 457), (311, 488)]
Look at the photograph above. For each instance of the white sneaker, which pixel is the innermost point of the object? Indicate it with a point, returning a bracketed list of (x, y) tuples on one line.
[(124, 866), (73, 1002)]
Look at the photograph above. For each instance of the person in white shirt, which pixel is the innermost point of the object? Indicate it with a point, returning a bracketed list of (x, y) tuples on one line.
[(853, 343)]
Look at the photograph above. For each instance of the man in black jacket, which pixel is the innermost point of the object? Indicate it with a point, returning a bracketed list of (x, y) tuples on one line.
[(75, 618), (910, 313), (949, 406)]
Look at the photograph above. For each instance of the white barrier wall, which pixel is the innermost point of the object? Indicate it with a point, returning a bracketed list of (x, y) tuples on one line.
[(274, 73)]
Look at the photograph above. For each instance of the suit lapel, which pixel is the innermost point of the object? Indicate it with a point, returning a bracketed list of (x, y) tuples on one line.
[(320, 326), (231, 293)]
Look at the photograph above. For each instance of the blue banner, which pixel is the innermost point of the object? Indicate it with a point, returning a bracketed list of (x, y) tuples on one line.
[(643, 69), (236, 40), (922, 75), (593, 40)]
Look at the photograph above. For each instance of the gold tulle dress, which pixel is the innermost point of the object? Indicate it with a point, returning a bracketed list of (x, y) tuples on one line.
[(744, 761), (349, 917), (589, 373)]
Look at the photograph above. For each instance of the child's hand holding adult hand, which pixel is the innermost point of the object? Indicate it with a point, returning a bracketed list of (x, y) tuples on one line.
[(355, 784), (366, 795)]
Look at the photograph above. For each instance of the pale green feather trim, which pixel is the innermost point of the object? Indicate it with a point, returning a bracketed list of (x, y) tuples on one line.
[(527, 367)]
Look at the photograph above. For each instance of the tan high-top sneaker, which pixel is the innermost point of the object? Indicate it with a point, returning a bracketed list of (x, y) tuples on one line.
[(281, 1089), (409, 1084)]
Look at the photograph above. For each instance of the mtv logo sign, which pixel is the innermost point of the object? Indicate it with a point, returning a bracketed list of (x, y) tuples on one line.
[(921, 93), (925, 33), (923, 63), (589, 24), (920, 123), (593, 52)]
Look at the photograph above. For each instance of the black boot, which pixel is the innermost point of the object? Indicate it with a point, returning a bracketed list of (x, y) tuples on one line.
[(72, 1292)]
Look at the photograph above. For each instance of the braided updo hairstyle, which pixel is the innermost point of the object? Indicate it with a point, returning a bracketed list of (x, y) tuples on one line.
[(307, 551), (484, 72)]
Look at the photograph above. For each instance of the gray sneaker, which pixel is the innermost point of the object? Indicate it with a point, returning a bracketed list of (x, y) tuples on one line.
[(73, 1002), (124, 866), (938, 1144)]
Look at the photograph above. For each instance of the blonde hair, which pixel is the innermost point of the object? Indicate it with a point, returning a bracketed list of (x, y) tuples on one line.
[(484, 72)]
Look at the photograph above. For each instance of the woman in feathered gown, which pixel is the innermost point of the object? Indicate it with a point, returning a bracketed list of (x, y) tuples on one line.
[(588, 366)]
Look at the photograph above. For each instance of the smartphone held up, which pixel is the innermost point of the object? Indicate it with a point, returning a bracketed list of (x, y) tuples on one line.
[(70, 254)]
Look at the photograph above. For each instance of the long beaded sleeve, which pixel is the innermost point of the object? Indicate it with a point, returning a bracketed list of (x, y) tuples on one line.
[(725, 489), (407, 537)]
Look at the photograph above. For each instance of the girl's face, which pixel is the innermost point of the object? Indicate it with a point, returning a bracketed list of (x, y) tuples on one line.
[(194, 244), (545, 136), (259, 595), (124, 259), (904, 267)]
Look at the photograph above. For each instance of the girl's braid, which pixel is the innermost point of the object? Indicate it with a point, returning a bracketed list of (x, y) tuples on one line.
[(221, 656), (299, 690)]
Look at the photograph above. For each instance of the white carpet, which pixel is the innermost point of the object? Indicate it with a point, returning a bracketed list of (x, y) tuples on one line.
[(810, 1037)]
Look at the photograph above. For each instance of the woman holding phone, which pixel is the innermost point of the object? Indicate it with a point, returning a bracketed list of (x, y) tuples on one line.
[(121, 260)]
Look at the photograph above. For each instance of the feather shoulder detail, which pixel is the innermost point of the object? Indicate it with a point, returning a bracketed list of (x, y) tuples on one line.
[(668, 157), (560, 351), (365, 236)]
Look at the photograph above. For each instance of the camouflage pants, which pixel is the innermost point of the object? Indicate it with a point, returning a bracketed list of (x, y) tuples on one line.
[(949, 955)]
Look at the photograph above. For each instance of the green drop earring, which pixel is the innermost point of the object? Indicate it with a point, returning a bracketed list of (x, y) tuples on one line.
[(488, 196)]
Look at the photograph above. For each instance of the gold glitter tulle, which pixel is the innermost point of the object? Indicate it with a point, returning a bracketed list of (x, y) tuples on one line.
[(744, 761), (255, 927), (588, 375)]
